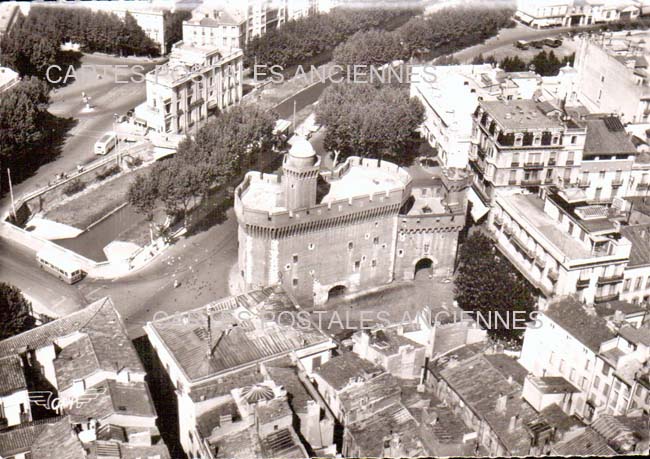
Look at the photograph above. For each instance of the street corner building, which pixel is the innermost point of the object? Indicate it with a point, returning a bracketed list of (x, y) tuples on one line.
[(363, 223)]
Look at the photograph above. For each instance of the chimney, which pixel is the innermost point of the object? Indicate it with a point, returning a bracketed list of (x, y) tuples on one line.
[(501, 403)]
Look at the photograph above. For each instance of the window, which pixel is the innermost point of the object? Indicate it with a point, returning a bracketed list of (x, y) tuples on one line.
[(583, 384), (357, 264), (596, 382), (637, 283), (294, 282), (574, 139), (350, 245), (626, 285), (376, 241), (519, 140), (373, 263), (295, 258), (311, 246)]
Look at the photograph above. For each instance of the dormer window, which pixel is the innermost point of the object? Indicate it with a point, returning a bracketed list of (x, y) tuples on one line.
[(519, 140), (555, 139), (537, 140)]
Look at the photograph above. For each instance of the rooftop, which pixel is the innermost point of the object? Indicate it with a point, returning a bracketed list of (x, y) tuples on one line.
[(606, 136), (394, 420), (554, 385), (103, 325), (340, 370), (114, 398), (635, 335), (588, 443), (12, 378), (590, 329), (382, 387), (639, 236), (363, 180), (608, 309), (229, 333), (38, 437), (530, 208), (388, 341), (480, 384), (522, 114)]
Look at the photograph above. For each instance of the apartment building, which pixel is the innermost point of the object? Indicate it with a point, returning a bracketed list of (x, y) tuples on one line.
[(216, 25), (604, 363), (613, 76), (450, 95), (524, 143), (196, 82), (559, 13), (636, 284), (608, 160), (218, 358), (561, 245)]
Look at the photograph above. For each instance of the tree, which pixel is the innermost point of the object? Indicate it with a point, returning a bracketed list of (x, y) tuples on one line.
[(374, 47), (174, 26), (15, 312), (513, 64), (364, 120), (486, 283), (143, 194)]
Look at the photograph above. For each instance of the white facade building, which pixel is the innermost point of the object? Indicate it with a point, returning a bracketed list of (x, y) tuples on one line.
[(196, 81), (559, 13)]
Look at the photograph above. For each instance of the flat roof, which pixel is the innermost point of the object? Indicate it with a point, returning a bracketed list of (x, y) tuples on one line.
[(362, 180), (521, 114), (530, 209)]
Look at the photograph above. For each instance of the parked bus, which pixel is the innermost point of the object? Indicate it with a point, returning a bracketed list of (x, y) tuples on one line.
[(106, 144), (60, 264)]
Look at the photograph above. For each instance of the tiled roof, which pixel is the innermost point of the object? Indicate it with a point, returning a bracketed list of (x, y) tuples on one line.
[(111, 397), (388, 341), (272, 410), (234, 333), (100, 321), (635, 335), (12, 378), (621, 431), (299, 397), (283, 443), (242, 444), (223, 386), (75, 361), (608, 309), (382, 387), (588, 443), (58, 441), (558, 419), (590, 330), (20, 439), (508, 366), (339, 370), (369, 434), (639, 236), (480, 384), (602, 140), (210, 419)]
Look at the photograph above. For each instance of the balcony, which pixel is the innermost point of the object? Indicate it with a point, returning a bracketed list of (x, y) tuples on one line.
[(551, 162), (569, 162), (642, 186), (615, 279), (521, 245), (507, 231), (583, 283), (606, 298), (534, 166), (531, 182), (584, 183), (617, 183), (553, 275), (540, 263), (512, 182), (514, 164)]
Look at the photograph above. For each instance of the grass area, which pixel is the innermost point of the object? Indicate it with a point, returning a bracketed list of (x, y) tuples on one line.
[(85, 208)]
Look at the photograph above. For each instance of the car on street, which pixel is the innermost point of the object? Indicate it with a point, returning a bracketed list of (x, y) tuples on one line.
[(553, 42)]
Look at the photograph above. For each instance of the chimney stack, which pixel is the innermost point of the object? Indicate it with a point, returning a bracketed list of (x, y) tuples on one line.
[(502, 402)]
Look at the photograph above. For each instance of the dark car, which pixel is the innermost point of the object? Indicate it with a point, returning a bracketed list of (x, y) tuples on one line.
[(521, 44), (553, 42), (539, 44)]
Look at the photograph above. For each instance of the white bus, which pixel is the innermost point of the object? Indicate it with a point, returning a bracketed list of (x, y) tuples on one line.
[(60, 264), (106, 144)]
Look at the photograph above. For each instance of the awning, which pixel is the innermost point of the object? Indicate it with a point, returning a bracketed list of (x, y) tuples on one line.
[(479, 209)]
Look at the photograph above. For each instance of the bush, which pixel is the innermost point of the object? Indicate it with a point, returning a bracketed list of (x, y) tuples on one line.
[(74, 187), (108, 172)]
